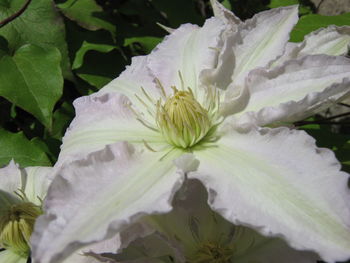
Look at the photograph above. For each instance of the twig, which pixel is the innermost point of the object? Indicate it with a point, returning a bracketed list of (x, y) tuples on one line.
[(318, 6), (344, 104), (15, 15), (336, 116), (301, 123), (325, 120)]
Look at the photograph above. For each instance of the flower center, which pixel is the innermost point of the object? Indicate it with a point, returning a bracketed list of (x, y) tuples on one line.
[(16, 227), (212, 253), (182, 120)]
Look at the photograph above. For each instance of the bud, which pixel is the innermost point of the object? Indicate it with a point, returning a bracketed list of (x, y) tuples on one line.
[(16, 227), (182, 120)]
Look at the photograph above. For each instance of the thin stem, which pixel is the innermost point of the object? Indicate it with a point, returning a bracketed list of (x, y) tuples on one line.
[(344, 104), (318, 6), (337, 116), (302, 123), (15, 15), (325, 120)]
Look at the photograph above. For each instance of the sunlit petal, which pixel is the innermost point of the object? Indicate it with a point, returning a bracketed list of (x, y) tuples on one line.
[(94, 198), (280, 183)]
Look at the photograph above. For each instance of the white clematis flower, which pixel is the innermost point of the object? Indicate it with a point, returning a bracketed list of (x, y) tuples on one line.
[(21, 195), (193, 233), (22, 192), (196, 105)]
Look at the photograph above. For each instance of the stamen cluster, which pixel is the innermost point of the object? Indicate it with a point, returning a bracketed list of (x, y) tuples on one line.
[(213, 253), (182, 120), (16, 226)]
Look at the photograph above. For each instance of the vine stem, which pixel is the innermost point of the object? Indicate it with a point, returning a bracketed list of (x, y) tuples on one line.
[(15, 15), (325, 120)]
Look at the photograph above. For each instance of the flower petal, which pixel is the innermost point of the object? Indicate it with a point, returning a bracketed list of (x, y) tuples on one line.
[(37, 182), (332, 41), (94, 198), (102, 120), (131, 80), (280, 183), (262, 39), (192, 223), (223, 13), (7, 256), (93, 253), (188, 50), (10, 178), (295, 90)]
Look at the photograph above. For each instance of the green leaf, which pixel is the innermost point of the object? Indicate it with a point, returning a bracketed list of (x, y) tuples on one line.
[(79, 56), (227, 4), (87, 14), (303, 9), (310, 23), (147, 43), (32, 80), (100, 68), (16, 146), (40, 24), (62, 117)]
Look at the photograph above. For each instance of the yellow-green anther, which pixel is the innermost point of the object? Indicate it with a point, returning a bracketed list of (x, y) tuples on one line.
[(182, 120), (213, 253), (16, 227)]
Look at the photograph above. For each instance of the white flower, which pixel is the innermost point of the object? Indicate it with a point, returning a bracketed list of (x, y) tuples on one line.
[(22, 192), (230, 82), (21, 195), (193, 233)]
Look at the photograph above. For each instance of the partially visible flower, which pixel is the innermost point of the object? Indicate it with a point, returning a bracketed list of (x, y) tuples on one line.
[(21, 195), (208, 103), (22, 192), (193, 233)]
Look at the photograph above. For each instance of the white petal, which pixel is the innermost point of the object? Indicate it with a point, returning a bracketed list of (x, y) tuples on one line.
[(332, 41), (189, 50), (192, 223), (10, 178), (92, 253), (94, 198), (37, 182), (131, 80), (280, 183), (223, 13), (295, 90), (262, 39), (8, 256), (102, 120)]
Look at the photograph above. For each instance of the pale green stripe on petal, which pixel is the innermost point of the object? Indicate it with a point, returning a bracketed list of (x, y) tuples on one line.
[(103, 120), (280, 183), (37, 182), (102, 194), (262, 39), (8, 256), (189, 50)]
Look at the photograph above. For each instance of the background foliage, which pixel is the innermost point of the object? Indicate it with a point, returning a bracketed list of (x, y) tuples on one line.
[(56, 51)]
